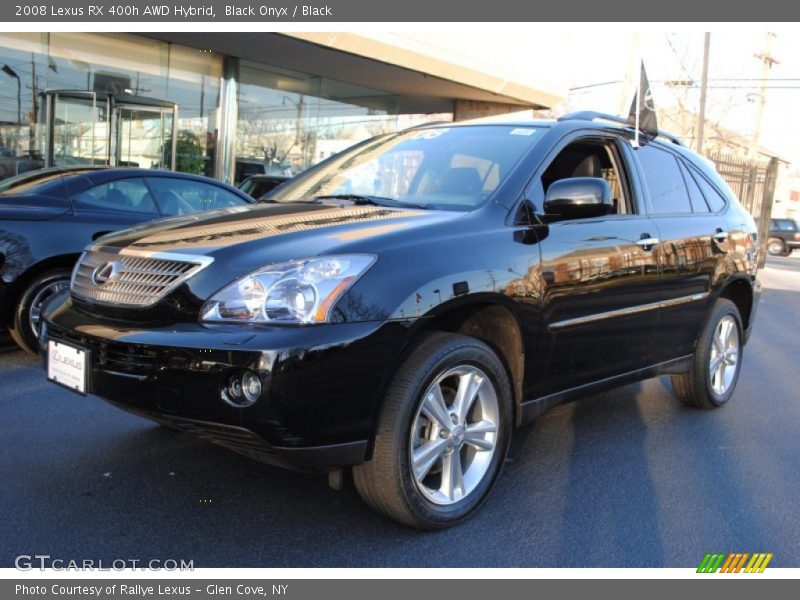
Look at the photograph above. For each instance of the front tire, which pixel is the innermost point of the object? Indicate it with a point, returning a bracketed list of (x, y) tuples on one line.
[(442, 436), (716, 363), (24, 327)]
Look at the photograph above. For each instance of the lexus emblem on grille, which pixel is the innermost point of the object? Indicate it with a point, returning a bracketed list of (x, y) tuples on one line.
[(106, 272)]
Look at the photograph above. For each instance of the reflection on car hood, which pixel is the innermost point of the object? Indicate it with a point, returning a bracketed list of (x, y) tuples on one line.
[(318, 226)]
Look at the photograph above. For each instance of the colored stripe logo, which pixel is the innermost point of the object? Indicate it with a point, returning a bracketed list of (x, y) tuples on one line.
[(736, 562)]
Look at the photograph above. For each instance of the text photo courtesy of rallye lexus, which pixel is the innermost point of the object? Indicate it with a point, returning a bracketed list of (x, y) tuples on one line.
[(48, 216), (401, 307)]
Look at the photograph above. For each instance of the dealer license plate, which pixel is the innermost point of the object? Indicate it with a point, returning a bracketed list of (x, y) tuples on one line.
[(67, 365)]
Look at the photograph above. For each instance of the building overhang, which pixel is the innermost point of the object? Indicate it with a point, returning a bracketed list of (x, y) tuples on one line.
[(422, 84)]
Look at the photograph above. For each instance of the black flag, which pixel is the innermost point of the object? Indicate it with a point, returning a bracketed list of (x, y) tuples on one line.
[(643, 107)]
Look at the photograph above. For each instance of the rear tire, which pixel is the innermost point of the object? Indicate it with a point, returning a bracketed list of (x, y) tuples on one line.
[(776, 247), (716, 363), (442, 435), (24, 328)]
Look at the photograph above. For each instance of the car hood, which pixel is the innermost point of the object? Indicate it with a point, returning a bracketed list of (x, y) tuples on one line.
[(243, 239)]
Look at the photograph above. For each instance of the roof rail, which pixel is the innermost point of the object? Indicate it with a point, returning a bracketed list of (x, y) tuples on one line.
[(590, 115)]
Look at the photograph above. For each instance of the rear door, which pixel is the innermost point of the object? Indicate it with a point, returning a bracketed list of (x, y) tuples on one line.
[(693, 243)]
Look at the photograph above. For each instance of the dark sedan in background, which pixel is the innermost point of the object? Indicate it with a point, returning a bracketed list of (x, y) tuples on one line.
[(784, 236), (47, 217), (259, 185)]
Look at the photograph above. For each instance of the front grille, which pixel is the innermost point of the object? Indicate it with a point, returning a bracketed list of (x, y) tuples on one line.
[(128, 279), (128, 360)]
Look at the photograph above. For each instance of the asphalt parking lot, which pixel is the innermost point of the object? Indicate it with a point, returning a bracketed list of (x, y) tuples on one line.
[(625, 478)]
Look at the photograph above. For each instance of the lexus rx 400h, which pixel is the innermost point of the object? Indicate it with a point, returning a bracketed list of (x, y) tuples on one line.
[(402, 307)]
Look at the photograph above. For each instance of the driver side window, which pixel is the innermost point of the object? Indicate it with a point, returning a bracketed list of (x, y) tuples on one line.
[(591, 158)]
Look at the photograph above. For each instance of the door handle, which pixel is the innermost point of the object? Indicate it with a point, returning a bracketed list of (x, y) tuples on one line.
[(720, 235), (647, 242)]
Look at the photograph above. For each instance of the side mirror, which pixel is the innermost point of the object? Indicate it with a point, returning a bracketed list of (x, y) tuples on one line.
[(578, 197)]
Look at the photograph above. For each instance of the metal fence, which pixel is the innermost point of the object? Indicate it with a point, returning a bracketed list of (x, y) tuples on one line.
[(753, 182)]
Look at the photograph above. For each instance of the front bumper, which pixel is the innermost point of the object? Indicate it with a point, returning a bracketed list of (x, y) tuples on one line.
[(321, 385)]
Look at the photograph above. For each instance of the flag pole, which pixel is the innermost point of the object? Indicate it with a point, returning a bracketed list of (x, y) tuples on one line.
[(638, 106)]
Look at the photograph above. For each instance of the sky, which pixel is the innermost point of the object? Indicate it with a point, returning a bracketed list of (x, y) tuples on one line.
[(560, 60)]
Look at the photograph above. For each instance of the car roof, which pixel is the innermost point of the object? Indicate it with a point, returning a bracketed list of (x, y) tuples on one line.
[(573, 121), (108, 173), (101, 174)]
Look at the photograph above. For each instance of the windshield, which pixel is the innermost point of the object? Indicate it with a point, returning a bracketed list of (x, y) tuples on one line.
[(448, 168)]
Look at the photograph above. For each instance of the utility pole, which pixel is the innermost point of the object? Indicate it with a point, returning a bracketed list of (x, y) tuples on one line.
[(767, 61), (701, 121)]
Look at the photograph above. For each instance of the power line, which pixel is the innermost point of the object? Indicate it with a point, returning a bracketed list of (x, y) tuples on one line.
[(677, 56)]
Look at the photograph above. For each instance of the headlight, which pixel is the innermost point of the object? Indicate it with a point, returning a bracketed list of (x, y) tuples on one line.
[(299, 291)]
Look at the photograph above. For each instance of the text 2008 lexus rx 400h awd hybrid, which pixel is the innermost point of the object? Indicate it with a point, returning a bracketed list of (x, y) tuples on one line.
[(401, 307)]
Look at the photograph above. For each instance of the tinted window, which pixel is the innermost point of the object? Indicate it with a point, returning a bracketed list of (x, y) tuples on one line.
[(716, 201), (123, 194), (664, 181), (247, 169), (699, 204), (258, 186), (183, 196), (784, 225)]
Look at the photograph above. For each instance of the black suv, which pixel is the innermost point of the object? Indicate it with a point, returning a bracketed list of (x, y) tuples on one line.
[(401, 307), (784, 236)]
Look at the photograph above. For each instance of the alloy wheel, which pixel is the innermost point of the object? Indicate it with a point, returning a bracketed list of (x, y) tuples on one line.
[(454, 434), (40, 299), (724, 356)]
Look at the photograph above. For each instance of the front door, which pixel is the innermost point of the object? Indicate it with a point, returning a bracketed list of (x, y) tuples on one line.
[(601, 301)]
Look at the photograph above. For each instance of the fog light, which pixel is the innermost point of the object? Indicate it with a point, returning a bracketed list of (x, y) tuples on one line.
[(243, 389), (251, 386)]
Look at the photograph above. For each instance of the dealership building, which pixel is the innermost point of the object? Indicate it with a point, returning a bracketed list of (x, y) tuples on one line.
[(227, 104)]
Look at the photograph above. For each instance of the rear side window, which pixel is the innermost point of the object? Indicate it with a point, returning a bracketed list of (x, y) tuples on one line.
[(664, 181), (124, 194), (784, 225), (699, 204), (183, 196), (716, 201)]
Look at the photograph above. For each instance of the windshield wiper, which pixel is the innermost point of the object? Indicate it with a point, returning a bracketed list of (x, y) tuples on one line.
[(363, 199), (360, 199)]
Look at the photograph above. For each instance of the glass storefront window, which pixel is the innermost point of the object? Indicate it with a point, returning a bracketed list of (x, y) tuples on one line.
[(89, 98), (84, 98), (288, 121), (24, 74), (194, 79)]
